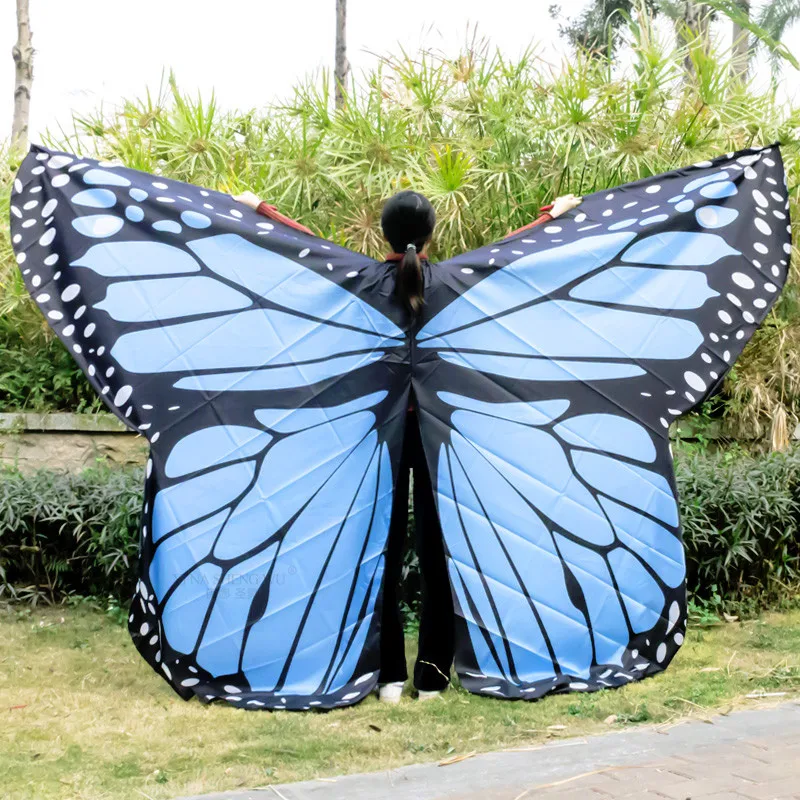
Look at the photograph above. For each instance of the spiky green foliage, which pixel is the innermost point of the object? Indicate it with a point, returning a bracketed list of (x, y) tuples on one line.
[(488, 139)]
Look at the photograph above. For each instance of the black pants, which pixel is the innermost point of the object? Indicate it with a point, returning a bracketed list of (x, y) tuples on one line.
[(436, 629)]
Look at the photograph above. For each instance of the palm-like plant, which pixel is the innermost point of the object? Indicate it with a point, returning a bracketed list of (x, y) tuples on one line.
[(761, 31), (487, 138), (598, 27)]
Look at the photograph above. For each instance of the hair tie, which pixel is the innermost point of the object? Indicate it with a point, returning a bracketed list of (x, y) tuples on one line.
[(411, 247)]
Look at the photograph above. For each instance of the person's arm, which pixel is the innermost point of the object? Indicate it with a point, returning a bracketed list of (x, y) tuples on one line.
[(545, 216), (562, 204), (271, 212)]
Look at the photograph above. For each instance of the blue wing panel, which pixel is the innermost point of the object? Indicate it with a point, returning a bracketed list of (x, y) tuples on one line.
[(367, 583), (655, 546), (194, 498), (638, 487), (294, 642), (526, 279), (610, 433), (220, 649), (262, 363), (541, 369), (680, 249), (169, 298), (302, 534), (521, 524), (649, 288), (288, 284), (214, 446), (563, 329), (187, 606), (253, 338), (574, 346), (609, 628), (136, 259), (140, 275), (181, 551)]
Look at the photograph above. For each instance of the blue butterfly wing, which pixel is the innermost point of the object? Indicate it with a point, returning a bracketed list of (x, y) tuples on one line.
[(549, 368), (268, 553), (261, 364)]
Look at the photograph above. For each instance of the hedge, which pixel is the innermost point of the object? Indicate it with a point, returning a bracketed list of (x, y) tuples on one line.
[(68, 535)]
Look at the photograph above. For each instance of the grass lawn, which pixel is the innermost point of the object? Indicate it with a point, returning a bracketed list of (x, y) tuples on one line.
[(83, 716)]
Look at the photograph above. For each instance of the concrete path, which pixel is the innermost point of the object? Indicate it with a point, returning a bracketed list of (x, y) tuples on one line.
[(747, 755)]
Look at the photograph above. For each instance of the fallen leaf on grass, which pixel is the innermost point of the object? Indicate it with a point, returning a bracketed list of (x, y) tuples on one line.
[(668, 726), (455, 759), (706, 719)]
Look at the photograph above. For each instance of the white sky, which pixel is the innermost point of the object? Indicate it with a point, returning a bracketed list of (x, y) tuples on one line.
[(249, 51)]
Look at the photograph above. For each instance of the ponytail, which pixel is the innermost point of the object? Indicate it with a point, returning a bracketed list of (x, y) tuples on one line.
[(409, 286)]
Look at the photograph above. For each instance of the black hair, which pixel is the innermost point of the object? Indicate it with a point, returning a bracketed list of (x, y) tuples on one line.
[(407, 219)]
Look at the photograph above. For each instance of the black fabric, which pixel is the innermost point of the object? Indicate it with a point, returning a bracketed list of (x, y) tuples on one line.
[(270, 371), (436, 629)]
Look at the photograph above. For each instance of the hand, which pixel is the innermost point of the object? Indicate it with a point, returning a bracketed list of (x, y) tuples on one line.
[(565, 203), (249, 199)]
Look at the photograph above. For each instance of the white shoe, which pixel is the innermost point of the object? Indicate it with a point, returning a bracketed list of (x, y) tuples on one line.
[(390, 692), (430, 695)]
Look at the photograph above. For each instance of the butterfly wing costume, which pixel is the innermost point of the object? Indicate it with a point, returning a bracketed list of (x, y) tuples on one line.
[(271, 371)]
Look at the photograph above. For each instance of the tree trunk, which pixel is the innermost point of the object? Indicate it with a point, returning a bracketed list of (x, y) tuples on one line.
[(740, 50), (342, 66), (23, 78)]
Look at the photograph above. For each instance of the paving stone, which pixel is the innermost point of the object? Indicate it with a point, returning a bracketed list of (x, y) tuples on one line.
[(783, 789), (754, 771), (701, 787), (582, 793)]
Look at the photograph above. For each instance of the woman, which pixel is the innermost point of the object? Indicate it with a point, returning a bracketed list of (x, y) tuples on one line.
[(408, 221)]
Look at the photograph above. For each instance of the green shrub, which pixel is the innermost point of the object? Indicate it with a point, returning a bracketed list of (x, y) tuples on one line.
[(741, 516), (76, 535), (65, 534), (40, 376)]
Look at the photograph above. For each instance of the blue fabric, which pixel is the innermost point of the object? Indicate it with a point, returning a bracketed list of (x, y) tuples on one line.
[(271, 372)]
